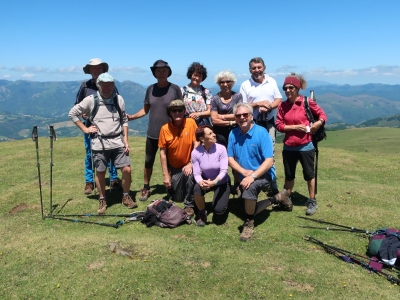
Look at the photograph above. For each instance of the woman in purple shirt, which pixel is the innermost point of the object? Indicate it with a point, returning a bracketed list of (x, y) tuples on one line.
[(210, 168)]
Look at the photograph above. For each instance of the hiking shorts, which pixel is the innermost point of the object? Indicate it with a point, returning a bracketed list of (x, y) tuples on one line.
[(117, 156), (306, 158), (260, 184), (151, 151)]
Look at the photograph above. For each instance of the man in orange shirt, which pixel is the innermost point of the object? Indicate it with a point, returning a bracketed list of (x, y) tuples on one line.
[(176, 142)]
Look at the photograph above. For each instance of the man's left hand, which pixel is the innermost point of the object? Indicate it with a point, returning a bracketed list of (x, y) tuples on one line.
[(187, 170), (126, 148)]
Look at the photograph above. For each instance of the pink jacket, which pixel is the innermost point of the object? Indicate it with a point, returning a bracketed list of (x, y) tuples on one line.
[(294, 114)]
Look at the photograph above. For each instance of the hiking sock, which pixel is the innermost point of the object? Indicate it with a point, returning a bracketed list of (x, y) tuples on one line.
[(272, 200), (249, 217), (202, 212), (146, 186), (125, 194)]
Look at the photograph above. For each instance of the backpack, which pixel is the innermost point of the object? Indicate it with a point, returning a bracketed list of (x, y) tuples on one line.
[(320, 134), (165, 214), (384, 244)]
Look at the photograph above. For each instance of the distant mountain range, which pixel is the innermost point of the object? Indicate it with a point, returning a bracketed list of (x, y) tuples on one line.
[(24, 104)]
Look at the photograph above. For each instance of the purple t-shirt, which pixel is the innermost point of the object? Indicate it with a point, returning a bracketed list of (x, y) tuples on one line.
[(210, 165)]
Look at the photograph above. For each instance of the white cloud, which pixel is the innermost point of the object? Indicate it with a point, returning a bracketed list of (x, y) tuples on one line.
[(29, 69), (285, 69), (6, 76), (73, 69), (129, 70), (27, 75), (2, 67), (376, 71)]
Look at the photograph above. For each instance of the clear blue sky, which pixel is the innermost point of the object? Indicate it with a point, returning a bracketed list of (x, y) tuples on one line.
[(352, 41)]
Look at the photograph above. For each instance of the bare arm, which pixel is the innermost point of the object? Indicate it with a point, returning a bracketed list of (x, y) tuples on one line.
[(164, 167), (141, 113)]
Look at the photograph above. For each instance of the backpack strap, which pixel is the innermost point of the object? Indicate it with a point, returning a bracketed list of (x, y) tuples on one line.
[(203, 93), (308, 111)]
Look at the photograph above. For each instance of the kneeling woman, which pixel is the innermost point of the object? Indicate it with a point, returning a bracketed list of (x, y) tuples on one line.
[(292, 120), (210, 167)]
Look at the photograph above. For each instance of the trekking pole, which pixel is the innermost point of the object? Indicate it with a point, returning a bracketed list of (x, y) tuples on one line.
[(350, 258), (333, 229), (35, 138), (338, 225), (312, 96), (312, 239), (116, 225), (52, 136), (135, 214)]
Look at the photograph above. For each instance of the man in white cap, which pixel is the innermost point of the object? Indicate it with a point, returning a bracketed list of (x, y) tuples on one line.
[(95, 67), (106, 111)]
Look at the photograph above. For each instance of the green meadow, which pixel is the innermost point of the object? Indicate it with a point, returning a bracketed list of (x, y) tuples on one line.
[(358, 185)]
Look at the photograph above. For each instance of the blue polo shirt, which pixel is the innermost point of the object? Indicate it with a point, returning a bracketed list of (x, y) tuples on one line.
[(251, 149)]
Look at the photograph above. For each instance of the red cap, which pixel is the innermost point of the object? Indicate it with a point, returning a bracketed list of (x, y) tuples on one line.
[(292, 80)]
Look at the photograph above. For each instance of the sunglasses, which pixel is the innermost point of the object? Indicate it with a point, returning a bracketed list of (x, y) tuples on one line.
[(245, 115), (227, 81), (175, 110), (290, 87)]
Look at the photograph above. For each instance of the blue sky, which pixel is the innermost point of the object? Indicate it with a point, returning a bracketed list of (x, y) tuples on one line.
[(344, 42)]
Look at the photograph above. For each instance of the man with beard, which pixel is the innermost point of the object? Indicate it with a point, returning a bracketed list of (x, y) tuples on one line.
[(110, 136), (262, 93), (95, 67)]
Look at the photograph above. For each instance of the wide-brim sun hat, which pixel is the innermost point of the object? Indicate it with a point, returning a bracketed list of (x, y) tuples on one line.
[(160, 64), (95, 62), (175, 104)]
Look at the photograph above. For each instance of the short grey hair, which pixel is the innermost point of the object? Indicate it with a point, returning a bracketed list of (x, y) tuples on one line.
[(256, 60), (224, 74), (239, 105)]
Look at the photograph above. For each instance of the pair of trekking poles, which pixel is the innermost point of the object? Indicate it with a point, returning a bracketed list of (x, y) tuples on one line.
[(35, 138), (53, 137)]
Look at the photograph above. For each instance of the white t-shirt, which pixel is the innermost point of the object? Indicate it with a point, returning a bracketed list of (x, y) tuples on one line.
[(253, 92)]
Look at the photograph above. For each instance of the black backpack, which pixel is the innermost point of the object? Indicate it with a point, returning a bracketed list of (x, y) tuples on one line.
[(320, 134)]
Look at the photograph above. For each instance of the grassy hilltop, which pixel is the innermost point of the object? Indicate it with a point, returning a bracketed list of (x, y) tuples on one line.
[(357, 186)]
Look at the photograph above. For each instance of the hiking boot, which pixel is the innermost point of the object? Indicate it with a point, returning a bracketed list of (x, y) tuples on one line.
[(189, 211), (202, 221), (248, 230), (102, 207), (128, 202), (311, 206), (88, 188), (116, 184), (283, 200), (145, 194)]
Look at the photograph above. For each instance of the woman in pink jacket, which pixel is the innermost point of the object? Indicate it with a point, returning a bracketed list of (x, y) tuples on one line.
[(292, 120)]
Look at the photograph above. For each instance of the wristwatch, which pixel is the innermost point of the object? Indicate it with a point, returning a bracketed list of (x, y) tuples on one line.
[(322, 121), (253, 175)]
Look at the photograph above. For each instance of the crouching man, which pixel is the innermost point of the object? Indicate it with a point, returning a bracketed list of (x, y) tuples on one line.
[(177, 140), (109, 131), (250, 153)]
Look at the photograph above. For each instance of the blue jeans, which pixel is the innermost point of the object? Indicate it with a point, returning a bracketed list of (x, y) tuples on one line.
[(112, 171)]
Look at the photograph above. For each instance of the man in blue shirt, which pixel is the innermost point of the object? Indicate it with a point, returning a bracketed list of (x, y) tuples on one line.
[(250, 153)]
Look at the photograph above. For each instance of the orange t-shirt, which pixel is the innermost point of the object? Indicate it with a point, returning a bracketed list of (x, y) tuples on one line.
[(178, 142)]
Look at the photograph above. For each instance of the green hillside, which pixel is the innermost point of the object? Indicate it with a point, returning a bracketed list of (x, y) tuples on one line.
[(357, 186)]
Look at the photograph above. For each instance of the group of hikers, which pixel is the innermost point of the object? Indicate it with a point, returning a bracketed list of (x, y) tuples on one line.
[(199, 136)]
